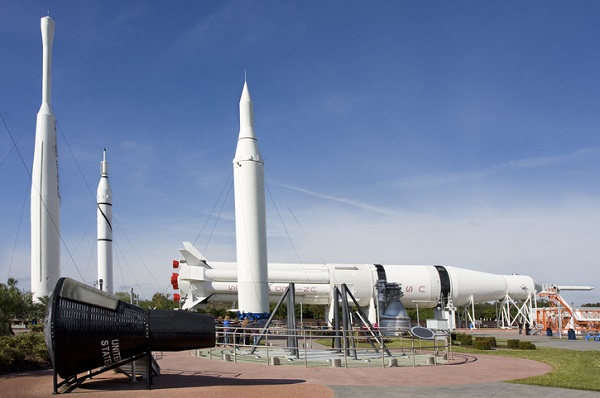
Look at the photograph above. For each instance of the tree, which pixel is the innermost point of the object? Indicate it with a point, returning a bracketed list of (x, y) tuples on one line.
[(14, 304), (312, 311), (591, 305), (161, 301), (38, 310), (123, 296), (424, 313), (216, 309)]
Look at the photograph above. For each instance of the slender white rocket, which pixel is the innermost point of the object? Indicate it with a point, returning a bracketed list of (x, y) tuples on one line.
[(104, 221), (250, 219), (45, 194)]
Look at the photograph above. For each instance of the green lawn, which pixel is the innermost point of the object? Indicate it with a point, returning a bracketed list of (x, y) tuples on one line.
[(572, 369)]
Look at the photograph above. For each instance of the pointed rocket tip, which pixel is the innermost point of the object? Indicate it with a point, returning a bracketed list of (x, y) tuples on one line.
[(246, 93)]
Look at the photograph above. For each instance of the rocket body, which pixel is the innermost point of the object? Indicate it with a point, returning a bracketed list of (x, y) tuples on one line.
[(104, 229), (425, 286), (45, 194), (250, 223)]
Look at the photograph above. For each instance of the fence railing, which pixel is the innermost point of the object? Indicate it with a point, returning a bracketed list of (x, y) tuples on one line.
[(327, 347)]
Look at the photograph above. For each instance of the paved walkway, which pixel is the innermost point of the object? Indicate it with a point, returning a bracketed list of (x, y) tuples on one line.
[(181, 373)]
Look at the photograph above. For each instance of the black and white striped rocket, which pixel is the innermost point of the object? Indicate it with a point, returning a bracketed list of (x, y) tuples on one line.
[(104, 229)]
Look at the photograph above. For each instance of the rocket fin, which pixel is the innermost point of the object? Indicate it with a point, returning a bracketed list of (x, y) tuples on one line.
[(193, 256), (191, 301)]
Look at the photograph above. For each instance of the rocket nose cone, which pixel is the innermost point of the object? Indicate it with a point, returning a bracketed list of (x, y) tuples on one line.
[(245, 94), (47, 26), (246, 113)]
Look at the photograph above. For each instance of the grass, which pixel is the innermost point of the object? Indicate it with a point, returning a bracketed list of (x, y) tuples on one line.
[(572, 369)]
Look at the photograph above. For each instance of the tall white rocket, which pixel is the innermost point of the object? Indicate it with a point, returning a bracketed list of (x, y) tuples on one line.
[(250, 219), (104, 221), (45, 194)]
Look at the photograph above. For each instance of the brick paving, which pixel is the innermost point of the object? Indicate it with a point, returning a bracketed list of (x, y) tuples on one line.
[(182, 373)]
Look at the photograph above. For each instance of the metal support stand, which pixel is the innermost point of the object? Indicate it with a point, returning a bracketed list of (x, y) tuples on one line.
[(292, 339), (336, 342), (347, 325), (149, 370), (348, 343), (74, 381), (291, 304)]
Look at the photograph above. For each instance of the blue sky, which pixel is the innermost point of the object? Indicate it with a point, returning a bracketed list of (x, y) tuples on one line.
[(461, 133)]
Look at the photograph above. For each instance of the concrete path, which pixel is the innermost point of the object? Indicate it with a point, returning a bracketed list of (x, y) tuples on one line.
[(183, 374)]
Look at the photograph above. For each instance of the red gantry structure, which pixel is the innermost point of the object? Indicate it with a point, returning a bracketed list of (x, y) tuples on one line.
[(560, 316)]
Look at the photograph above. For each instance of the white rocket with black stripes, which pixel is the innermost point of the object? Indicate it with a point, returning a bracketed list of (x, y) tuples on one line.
[(105, 233)]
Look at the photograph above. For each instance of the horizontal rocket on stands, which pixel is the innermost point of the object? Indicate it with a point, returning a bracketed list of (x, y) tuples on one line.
[(425, 286)]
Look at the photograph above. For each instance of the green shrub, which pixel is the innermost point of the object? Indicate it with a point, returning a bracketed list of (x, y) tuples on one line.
[(467, 340), (484, 343), (526, 345), (25, 351), (491, 340), (462, 338), (39, 328), (513, 343)]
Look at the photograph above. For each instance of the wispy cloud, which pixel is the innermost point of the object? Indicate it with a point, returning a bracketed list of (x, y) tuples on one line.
[(541, 161), (215, 24), (431, 181), (128, 16), (240, 23), (93, 25), (340, 105), (347, 201), (536, 241)]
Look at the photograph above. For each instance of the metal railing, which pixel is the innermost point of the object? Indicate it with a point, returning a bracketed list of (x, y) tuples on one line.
[(315, 347)]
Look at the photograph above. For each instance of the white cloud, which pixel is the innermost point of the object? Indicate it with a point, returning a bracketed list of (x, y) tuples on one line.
[(553, 244), (346, 201), (431, 181)]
